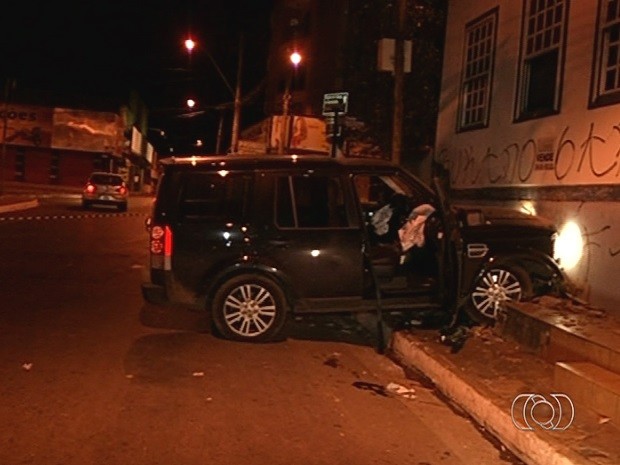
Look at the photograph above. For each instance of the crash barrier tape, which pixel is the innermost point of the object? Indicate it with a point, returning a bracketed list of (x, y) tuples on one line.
[(69, 217)]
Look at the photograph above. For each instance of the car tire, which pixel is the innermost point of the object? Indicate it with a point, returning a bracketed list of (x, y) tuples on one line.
[(85, 204), (249, 308), (122, 207), (494, 288)]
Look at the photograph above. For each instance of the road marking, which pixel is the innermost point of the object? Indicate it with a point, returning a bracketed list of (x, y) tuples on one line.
[(69, 217)]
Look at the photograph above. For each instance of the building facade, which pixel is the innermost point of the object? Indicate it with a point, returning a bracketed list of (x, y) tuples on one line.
[(529, 105), (62, 146)]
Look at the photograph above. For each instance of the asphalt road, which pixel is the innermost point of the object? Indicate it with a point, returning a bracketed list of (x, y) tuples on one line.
[(91, 375)]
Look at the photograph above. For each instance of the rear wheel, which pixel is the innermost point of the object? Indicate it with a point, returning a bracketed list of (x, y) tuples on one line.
[(122, 207), (249, 308), (494, 289)]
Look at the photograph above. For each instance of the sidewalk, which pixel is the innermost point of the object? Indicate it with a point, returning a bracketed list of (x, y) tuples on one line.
[(11, 202), (18, 196), (519, 357)]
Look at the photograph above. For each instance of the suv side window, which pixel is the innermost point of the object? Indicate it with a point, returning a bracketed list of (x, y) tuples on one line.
[(213, 196), (310, 202)]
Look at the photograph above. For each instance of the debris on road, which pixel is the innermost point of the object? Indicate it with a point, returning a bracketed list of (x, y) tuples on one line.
[(333, 360), (454, 336), (407, 393)]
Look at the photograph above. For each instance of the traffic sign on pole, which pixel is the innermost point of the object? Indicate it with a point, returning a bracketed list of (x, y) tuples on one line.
[(337, 102)]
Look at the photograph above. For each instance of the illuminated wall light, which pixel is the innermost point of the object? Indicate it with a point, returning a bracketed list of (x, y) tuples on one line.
[(527, 207), (569, 245), (315, 253), (193, 161), (222, 173)]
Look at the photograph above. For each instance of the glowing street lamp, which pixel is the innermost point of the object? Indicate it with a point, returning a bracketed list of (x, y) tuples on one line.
[(191, 103), (189, 45), (295, 58)]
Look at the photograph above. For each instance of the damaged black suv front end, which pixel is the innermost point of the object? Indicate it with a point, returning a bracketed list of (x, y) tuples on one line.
[(504, 255)]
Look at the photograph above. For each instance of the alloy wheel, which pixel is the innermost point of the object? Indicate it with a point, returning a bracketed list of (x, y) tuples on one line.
[(493, 290), (249, 310)]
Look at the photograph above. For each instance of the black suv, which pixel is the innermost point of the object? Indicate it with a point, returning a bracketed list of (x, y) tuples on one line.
[(252, 238)]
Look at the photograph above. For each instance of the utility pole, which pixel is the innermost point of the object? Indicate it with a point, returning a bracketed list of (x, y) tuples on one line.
[(284, 124), (399, 82), (8, 85), (234, 140), (294, 58)]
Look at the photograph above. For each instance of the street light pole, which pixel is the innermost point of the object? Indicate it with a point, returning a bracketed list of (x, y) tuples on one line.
[(190, 44), (234, 140), (295, 58)]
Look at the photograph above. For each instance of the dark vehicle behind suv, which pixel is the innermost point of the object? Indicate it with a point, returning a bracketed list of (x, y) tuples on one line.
[(252, 239)]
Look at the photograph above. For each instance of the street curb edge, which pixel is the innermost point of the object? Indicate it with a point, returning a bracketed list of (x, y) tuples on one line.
[(19, 206), (528, 446)]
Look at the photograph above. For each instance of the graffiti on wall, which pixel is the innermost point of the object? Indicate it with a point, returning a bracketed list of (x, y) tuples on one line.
[(88, 131), (561, 158), (594, 241)]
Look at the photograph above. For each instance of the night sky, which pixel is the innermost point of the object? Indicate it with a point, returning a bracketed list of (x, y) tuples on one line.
[(98, 51)]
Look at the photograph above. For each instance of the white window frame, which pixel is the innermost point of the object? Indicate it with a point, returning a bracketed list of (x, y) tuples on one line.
[(545, 23), (606, 55), (477, 74)]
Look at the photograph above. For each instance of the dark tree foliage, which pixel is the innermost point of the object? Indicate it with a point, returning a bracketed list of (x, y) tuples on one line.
[(371, 91)]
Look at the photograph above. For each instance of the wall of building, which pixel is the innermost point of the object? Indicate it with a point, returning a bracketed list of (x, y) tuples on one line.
[(47, 145), (565, 165)]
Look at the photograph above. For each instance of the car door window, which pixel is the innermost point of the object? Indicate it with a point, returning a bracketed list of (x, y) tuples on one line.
[(387, 200), (311, 202), (213, 196)]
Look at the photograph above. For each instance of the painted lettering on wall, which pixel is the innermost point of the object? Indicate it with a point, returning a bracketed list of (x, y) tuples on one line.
[(593, 158)]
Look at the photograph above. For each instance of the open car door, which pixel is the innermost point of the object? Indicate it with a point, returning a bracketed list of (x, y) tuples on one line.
[(451, 247)]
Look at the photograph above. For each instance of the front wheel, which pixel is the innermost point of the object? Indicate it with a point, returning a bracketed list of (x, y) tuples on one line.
[(249, 308), (494, 289)]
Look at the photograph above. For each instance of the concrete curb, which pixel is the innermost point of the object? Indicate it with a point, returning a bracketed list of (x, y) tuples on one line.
[(531, 447), (17, 206)]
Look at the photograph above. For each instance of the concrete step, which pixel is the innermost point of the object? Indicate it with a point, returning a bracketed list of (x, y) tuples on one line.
[(559, 331), (589, 385)]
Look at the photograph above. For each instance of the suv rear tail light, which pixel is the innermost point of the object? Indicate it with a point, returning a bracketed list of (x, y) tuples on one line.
[(90, 188), (161, 247), (122, 190)]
